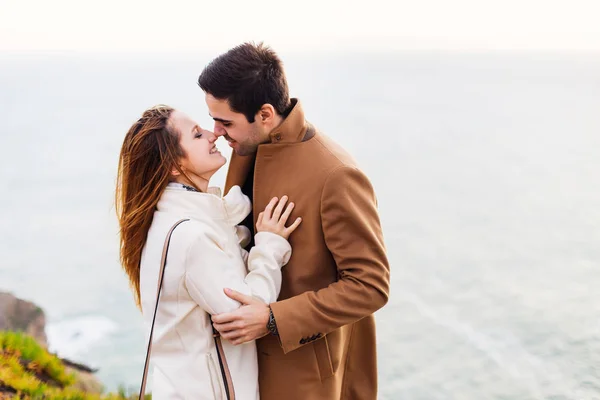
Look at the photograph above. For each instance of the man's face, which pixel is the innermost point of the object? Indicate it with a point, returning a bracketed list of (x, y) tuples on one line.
[(243, 136)]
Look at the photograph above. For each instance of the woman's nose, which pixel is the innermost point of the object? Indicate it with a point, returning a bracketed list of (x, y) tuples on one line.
[(211, 136)]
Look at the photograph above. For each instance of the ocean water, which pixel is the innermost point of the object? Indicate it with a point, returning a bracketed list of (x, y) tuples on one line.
[(486, 168)]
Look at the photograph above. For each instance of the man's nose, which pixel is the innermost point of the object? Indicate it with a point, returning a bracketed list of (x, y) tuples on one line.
[(219, 131)]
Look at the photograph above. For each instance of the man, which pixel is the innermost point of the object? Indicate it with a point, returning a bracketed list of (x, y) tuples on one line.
[(318, 340)]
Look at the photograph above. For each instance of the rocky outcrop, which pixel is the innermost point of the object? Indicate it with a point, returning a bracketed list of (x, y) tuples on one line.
[(22, 316), (86, 380), (17, 315)]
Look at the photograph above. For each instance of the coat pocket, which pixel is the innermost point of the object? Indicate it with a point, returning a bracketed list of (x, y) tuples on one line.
[(321, 347), (215, 378)]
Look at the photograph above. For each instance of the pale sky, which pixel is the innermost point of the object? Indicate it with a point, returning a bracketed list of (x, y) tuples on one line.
[(303, 25)]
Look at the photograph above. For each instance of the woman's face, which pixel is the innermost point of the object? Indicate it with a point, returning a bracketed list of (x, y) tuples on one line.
[(202, 158)]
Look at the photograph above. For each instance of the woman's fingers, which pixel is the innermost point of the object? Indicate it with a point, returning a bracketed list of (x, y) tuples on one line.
[(288, 231), (279, 209), (286, 214), (269, 208), (276, 216), (260, 218)]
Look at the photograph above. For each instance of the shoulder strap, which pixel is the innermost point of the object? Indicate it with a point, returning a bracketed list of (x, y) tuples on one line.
[(227, 381), (163, 262)]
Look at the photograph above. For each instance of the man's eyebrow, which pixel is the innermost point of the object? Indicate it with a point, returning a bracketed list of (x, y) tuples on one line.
[(219, 119)]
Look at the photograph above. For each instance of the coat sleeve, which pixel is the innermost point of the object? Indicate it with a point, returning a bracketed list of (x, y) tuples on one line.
[(210, 269), (353, 235)]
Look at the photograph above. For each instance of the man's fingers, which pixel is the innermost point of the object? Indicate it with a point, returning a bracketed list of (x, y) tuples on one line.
[(242, 298), (269, 208), (279, 209), (240, 340), (293, 227), (224, 318), (286, 214), (227, 327), (233, 335)]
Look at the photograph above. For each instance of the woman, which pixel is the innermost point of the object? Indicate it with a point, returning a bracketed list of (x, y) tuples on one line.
[(165, 166)]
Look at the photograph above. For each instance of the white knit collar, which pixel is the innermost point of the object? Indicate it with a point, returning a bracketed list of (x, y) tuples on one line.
[(233, 207)]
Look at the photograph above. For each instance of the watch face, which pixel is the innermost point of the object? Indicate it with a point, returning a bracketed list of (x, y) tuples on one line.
[(271, 325)]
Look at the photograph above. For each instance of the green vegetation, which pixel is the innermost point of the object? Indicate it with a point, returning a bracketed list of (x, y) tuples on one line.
[(28, 371)]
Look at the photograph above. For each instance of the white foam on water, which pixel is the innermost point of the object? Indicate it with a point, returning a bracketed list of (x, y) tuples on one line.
[(74, 337), (510, 355)]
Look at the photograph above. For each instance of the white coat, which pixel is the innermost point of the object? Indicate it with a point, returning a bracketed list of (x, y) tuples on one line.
[(204, 257)]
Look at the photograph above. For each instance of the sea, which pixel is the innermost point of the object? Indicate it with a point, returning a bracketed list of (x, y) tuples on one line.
[(486, 167)]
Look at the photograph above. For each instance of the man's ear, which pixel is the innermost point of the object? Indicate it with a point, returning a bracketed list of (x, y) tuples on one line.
[(267, 113)]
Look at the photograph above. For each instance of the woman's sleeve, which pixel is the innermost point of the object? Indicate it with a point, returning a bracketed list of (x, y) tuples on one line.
[(269, 254), (243, 236), (210, 269)]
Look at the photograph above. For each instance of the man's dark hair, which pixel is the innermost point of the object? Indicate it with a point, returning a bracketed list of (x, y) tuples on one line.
[(247, 76)]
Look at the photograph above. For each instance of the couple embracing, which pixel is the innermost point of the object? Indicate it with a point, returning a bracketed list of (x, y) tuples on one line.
[(269, 290)]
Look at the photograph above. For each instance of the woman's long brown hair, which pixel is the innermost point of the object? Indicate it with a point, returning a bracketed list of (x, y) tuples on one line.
[(149, 153)]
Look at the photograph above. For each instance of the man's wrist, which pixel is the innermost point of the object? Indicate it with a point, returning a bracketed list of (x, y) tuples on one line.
[(272, 324)]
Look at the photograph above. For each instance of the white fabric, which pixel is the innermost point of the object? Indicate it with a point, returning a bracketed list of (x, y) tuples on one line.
[(204, 257)]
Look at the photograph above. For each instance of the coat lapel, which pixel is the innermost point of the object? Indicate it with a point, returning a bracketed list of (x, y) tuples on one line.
[(238, 170)]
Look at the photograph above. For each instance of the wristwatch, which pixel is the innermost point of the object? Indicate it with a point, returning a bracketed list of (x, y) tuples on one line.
[(272, 325)]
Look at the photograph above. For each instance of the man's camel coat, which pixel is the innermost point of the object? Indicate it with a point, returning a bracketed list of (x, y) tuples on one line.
[(338, 275)]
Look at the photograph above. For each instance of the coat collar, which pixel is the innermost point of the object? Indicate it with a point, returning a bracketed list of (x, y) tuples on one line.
[(232, 208), (291, 130)]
